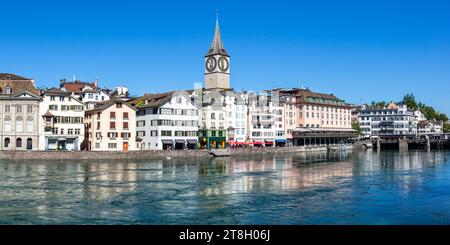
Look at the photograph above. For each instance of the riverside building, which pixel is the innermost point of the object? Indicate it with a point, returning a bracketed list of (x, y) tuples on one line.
[(266, 118), (111, 126), (213, 121), (393, 120), (61, 121), (19, 113), (237, 117), (322, 119), (166, 121)]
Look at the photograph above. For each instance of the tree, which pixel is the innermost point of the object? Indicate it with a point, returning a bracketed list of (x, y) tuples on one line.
[(410, 101), (379, 104), (139, 103), (357, 127), (446, 127)]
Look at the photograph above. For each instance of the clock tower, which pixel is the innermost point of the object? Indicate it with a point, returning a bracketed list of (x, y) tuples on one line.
[(217, 64)]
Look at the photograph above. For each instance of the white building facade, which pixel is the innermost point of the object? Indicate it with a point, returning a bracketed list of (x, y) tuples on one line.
[(392, 120), (237, 117), (61, 124), (167, 121), (265, 119)]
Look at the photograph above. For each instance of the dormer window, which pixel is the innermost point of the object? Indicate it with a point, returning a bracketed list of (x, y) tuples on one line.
[(8, 90)]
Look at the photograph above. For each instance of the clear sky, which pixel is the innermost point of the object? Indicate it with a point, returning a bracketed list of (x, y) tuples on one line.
[(359, 50)]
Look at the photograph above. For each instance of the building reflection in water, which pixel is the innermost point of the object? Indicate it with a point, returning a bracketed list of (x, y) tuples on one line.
[(274, 174)]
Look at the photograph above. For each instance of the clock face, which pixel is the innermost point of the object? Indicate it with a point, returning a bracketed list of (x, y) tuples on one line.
[(211, 64), (223, 64)]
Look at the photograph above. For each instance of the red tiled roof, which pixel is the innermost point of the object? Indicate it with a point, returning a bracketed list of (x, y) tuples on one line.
[(76, 87)]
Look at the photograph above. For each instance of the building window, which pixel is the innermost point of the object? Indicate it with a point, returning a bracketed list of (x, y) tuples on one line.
[(8, 89), (166, 133), (19, 108), (112, 145), (18, 143), (29, 126), (125, 125), (154, 133), (7, 108), (70, 131), (62, 131), (52, 98), (77, 131), (98, 125), (7, 125), (7, 142), (112, 115), (53, 107), (97, 145), (112, 125), (125, 115), (29, 144), (140, 123), (118, 105), (19, 126)]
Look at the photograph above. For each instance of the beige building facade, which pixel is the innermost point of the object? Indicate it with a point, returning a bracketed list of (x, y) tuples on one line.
[(111, 127)]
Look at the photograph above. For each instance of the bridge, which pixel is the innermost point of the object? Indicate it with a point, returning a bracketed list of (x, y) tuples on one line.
[(404, 142)]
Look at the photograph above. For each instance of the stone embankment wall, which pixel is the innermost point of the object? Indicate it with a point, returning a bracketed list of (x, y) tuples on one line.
[(157, 154)]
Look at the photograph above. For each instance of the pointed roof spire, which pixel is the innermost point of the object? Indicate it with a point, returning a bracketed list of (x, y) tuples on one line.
[(217, 44)]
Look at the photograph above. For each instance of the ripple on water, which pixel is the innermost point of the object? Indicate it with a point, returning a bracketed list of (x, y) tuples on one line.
[(360, 188)]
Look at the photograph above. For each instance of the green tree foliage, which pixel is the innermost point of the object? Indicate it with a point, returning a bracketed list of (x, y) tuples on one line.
[(446, 127), (410, 101), (429, 112), (139, 102), (379, 104), (357, 127)]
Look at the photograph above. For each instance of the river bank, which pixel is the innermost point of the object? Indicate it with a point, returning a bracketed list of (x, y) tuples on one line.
[(155, 154)]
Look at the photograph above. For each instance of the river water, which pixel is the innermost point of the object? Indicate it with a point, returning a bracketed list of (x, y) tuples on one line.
[(367, 187)]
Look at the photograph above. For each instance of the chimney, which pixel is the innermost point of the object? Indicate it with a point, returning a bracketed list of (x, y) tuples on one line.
[(61, 83)]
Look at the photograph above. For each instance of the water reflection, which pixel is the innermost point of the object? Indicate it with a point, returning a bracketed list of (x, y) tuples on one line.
[(318, 187)]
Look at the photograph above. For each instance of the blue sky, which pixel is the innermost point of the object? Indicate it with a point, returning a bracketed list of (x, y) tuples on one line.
[(359, 50)]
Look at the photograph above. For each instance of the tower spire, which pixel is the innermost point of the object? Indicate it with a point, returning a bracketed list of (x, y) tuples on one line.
[(217, 44)]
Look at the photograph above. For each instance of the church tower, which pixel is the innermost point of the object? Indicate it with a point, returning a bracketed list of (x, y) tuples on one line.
[(217, 64)]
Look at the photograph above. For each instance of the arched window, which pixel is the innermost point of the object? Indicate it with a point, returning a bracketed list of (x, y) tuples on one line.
[(7, 141), (307, 125), (18, 143), (29, 144)]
